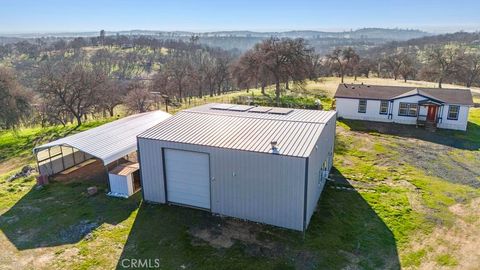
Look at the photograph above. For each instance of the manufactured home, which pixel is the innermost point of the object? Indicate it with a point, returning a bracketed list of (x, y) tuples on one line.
[(262, 164), (431, 107)]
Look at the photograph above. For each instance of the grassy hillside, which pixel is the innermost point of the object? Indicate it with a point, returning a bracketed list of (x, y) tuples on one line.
[(400, 198)]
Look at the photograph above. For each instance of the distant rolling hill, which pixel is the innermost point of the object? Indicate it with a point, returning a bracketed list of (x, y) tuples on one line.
[(417, 44), (323, 41)]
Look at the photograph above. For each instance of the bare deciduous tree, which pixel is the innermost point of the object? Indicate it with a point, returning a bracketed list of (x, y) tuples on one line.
[(111, 94), (71, 85), (14, 100), (444, 61), (179, 71), (248, 71), (314, 65), (139, 99), (469, 69), (104, 61), (342, 60), (365, 67), (407, 67), (282, 59), (393, 63)]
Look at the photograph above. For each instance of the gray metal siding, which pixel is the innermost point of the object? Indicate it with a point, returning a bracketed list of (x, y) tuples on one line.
[(259, 187), (151, 168), (323, 151)]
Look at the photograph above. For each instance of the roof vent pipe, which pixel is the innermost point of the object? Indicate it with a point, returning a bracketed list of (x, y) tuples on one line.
[(274, 147)]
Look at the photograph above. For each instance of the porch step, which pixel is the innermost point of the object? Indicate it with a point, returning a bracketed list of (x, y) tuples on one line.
[(430, 126)]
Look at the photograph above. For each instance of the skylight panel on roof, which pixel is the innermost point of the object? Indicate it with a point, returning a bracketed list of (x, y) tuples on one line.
[(240, 108), (222, 106), (260, 109), (282, 111)]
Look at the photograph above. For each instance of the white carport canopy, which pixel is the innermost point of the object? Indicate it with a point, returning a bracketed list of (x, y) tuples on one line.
[(111, 141)]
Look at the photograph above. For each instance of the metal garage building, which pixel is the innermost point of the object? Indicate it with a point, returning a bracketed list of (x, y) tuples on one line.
[(258, 163)]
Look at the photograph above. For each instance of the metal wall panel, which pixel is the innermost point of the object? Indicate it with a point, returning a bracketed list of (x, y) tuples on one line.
[(151, 169), (260, 187), (323, 151)]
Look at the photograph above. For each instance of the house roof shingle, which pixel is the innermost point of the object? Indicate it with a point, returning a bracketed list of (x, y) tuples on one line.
[(380, 92)]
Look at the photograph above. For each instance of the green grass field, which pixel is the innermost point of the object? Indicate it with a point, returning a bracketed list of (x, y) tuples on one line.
[(401, 198)]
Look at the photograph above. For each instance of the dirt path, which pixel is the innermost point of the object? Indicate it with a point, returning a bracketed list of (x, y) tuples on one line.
[(12, 164)]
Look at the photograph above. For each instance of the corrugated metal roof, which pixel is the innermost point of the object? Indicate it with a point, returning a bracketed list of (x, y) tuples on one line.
[(296, 133), (113, 140)]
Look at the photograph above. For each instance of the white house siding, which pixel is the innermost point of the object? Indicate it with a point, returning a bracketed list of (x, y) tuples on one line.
[(409, 120), (259, 187), (322, 152), (460, 124), (348, 109)]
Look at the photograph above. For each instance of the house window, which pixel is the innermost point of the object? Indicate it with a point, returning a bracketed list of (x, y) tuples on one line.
[(383, 106), (453, 111), (408, 109), (362, 106)]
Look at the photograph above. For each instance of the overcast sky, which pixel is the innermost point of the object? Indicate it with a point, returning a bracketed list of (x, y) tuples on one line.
[(27, 16)]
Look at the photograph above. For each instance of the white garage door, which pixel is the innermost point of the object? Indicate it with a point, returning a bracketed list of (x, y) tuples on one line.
[(188, 178)]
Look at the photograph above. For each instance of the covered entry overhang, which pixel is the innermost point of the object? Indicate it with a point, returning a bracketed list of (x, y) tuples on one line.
[(429, 111), (106, 143)]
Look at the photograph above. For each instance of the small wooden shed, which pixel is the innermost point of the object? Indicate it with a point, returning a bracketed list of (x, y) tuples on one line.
[(124, 180)]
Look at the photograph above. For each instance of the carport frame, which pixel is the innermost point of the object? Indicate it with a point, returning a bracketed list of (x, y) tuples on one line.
[(108, 142), (37, 150)]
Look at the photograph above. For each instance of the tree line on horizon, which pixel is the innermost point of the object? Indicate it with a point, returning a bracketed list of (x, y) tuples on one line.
[(63, 82)]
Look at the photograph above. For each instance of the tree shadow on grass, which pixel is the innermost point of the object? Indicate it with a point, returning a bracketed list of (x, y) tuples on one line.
[(466, 140), (345, 231), (62, 213)]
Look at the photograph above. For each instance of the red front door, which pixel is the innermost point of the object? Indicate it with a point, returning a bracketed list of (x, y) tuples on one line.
[(432, 113)]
